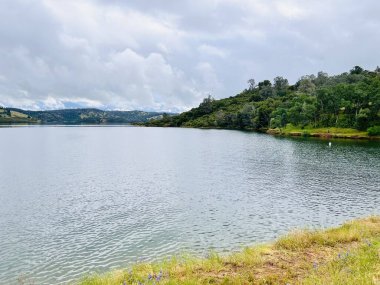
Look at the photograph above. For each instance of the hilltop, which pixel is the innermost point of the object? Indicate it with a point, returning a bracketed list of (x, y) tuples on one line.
[(350, 100)]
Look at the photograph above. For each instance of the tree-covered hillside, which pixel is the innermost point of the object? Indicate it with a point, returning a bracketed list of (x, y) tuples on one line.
[(8, 116), (75, 116), (348, 100)]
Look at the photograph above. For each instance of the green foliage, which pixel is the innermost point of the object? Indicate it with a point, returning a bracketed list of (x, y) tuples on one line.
[(306, 84), (252, 84), (356, 70), (348, 100), (78, 116), (374, 131), (280, 86), (13, 116)]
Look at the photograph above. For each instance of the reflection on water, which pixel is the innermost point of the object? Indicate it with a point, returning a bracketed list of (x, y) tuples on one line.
[(77, 200)]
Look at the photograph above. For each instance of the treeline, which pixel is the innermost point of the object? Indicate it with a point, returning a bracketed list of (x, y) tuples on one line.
[(348, 100), (75, 116), (91, 116)]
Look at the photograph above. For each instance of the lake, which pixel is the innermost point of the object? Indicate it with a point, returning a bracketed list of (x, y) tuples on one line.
[(76, 200)]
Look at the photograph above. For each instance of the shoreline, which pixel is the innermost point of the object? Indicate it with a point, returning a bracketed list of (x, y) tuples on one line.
[(347, 254), (356, 135), (324, 133)]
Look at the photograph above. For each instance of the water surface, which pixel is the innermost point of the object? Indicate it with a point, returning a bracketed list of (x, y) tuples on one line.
[(79, 200)]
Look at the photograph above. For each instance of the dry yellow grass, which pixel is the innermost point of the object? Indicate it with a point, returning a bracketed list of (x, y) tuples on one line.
[(333, 256), (344, 133), (18, 115)]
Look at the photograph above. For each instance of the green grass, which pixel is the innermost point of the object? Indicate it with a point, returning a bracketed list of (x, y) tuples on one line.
[(358, 267), (349, 133), (333, 130), (18, 115), (349, 254)]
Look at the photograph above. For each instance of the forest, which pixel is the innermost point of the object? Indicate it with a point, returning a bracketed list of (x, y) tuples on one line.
[(74, 116), (348, 100)]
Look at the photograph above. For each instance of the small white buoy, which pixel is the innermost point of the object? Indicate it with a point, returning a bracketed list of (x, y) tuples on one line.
[(329, 144)]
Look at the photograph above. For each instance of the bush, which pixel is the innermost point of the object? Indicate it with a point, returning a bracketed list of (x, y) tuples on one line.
[(305, 134), (374, 131)]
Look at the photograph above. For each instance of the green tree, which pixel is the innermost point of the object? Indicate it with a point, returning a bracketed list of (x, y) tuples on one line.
[(356, 70), (322, 79), (206, 106), (278, 118), (350, 99), (306, 85), (220, 119), (252, 84), (265, 89), (362, 120), (280, 85), (245, 116)]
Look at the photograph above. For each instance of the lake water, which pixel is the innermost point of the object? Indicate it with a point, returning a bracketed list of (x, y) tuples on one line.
[(76, 200)]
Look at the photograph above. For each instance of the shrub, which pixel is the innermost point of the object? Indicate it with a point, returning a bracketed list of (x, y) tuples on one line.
[(306, 134), (374, 131)]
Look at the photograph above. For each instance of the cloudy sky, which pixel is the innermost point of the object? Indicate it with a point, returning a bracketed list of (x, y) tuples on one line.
[(168, 55)]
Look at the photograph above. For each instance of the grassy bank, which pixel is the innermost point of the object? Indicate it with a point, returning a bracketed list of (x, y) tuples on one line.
[(344, 133), (349, 254)]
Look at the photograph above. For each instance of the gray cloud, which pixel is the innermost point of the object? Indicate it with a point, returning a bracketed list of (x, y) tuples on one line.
[(168, 55)]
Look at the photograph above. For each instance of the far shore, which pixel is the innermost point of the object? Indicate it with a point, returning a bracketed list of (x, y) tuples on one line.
[(322, 133)]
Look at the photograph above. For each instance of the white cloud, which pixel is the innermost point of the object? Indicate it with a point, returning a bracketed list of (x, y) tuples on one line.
[(209, 76), (213, 51), (53, 103), (291, 10), (167, 55)]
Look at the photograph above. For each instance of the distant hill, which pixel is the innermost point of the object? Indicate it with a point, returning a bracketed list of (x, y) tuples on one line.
[(348, 100), (11, 116), (75, 116)]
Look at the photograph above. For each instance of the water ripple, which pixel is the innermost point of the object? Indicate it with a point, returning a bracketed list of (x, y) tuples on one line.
[(93, 199)]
